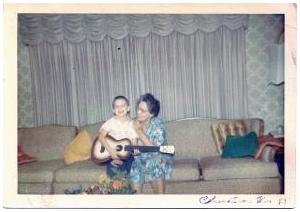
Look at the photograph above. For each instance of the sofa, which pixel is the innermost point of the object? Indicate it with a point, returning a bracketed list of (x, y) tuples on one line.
[(198, 165)]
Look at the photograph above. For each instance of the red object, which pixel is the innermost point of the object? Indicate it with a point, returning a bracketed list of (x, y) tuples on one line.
[(24, 158), (268, 140)]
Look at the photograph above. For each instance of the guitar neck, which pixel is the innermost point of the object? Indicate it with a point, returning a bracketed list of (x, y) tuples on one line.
[(143, 148)]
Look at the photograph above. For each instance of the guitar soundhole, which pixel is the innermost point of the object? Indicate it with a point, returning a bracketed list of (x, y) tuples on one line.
[(102, 149), (118, 147)]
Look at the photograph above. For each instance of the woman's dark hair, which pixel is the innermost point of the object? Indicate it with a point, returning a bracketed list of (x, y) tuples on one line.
[(152, 103), (119, 97)]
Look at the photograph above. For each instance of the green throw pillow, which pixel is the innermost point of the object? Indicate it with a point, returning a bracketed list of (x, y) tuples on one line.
[(240, 146)]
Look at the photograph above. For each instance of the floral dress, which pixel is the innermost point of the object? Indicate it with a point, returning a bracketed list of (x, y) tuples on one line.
[(154, 165)]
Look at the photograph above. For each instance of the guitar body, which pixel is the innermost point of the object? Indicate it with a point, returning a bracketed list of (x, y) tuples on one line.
[(123, 148), (101, 155)]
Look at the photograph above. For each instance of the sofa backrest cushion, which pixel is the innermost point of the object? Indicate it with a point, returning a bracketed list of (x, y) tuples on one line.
[(46, 142), (193, 138), (92, 129), (221, 130)]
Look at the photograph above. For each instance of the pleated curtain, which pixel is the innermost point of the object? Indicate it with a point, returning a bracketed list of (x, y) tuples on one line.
[(193, 72)]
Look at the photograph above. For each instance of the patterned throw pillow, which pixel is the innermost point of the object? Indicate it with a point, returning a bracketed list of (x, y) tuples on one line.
[(79, 149), (23, 157), (221, 130)]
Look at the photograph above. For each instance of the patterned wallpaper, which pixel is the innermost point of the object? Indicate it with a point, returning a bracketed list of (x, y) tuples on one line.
[(264, 101), (24, 88)]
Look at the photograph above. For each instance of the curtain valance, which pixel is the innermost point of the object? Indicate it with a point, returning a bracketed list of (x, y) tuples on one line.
[(53, 28)]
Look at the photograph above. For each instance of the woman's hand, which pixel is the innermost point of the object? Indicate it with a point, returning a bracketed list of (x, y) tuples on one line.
[(141, 131), (136, 152), (135, 142), (138, 126)]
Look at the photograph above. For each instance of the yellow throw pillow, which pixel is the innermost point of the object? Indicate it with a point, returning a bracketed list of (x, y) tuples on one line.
[(79, 149)]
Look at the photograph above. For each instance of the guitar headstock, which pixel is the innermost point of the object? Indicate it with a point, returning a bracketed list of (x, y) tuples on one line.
[(167, 149)]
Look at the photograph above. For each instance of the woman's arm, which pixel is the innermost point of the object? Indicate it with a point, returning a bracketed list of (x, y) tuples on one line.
[(142, 134), (157, 136)]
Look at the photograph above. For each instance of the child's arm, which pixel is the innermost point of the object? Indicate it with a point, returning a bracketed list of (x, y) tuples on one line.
[(102, 138)]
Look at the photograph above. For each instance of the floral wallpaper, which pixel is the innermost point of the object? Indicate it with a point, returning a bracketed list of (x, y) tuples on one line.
[(25, 108), (265, 101)]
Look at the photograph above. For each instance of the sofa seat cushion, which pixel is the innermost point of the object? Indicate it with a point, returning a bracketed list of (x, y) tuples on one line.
[(185, 170), (38, 172), (35, 188), (82, 171), (216, 168)]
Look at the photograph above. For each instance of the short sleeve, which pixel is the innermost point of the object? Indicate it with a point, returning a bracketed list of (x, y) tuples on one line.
[(119, 130), (159, 137), (107, 126), (157, 133)]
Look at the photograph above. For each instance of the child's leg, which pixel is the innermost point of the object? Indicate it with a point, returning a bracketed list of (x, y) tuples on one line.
[(128, 163), (112, 170)]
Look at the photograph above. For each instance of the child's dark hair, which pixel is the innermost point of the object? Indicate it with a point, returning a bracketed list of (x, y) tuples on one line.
[(119, 97), (152, 103)]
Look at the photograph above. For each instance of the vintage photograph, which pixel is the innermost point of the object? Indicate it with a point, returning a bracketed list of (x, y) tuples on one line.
[(135, 104)]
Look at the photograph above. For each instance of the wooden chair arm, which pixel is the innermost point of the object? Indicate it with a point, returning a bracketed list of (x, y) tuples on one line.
[(268, 141)]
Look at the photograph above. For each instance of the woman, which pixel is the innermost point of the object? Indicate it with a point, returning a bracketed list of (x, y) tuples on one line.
[(151, 167)]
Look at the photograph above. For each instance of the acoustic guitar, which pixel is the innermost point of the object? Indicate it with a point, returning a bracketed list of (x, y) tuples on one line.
[(123, 148)]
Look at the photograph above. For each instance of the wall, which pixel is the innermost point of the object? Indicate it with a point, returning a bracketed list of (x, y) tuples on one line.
[(24, 88), (264, 101)]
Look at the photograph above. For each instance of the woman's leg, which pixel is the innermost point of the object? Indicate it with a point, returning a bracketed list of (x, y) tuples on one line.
[(159, 186), (138, 188)]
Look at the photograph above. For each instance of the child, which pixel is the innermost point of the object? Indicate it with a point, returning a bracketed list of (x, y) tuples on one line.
[(120, 126)]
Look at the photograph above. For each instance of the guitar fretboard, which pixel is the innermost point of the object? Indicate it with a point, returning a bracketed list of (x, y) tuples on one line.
[(143, 148)]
